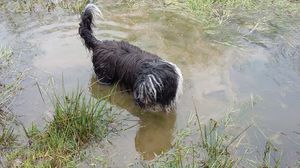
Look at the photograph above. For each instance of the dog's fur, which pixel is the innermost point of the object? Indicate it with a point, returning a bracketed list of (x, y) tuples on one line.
[(153, 80)]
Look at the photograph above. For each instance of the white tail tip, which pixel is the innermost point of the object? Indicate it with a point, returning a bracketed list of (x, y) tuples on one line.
[(94, 9)]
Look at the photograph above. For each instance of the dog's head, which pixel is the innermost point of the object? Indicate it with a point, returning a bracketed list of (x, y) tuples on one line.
[(158, 83)]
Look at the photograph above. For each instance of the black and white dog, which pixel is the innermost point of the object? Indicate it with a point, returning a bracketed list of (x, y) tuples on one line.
[(153, 80)]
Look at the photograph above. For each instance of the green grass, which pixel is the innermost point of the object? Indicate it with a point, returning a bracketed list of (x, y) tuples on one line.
[(75, 6), (9, 83), (77, 122), (7, 138), (24, 6), (8, 89), (5, 90), (5, 57), (269, 161)]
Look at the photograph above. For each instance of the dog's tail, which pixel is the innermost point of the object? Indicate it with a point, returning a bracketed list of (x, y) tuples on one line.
[(85, 29)]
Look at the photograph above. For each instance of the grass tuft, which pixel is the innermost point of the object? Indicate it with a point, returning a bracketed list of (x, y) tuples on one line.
[(9, 82), (5, 57), (7, 138), (268, 160), (77, 121), (9, 85), (75, 6)]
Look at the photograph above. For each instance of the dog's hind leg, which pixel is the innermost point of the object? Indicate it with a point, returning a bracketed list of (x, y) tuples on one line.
[(104, 80), (104, 76)]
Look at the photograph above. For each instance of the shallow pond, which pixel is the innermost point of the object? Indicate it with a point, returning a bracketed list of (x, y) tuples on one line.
[(216, 77)]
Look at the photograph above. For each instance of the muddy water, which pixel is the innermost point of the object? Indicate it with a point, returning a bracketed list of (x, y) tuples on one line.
[(216, 77)]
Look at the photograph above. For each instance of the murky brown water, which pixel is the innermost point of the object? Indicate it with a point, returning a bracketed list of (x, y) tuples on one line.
[(216, 77)]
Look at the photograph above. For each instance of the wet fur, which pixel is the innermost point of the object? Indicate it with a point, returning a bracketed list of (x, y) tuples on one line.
[(153, 80)]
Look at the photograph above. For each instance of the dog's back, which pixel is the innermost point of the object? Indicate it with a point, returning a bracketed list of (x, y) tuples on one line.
[(119, 61), (152, 80)]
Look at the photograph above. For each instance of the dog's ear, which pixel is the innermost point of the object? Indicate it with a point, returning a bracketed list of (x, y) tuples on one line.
[(146, 90), (139, 96)]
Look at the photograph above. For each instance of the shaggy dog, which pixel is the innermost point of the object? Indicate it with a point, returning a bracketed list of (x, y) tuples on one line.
[(153, 80)]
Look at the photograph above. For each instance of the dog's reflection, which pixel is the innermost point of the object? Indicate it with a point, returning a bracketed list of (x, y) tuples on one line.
[(155, 133)]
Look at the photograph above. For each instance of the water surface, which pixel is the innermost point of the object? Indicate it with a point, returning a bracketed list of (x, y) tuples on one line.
[(216, 77)]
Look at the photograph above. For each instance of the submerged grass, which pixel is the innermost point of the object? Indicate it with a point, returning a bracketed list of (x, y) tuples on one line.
[(215, 11), (224, 19), (222, 11), (77, 121), (212, 148), (211, 145)]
